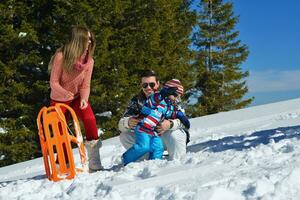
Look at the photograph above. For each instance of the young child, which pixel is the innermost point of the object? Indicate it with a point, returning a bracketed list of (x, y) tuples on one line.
[(156, 108)]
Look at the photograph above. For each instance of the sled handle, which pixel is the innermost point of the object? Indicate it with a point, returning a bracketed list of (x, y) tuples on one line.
[(77, 138)]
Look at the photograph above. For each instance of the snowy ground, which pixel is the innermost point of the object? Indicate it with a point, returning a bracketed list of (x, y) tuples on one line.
[(249, 154)]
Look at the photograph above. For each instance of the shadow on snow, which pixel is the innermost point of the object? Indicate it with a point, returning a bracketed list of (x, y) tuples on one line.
[(242, 142), (37, 177)]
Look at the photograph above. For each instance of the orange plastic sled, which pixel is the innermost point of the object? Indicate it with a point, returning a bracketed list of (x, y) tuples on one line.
[(56, 137)]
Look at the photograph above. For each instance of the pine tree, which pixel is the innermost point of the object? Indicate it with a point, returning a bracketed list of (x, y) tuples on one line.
[(19, 71), (219, 55)]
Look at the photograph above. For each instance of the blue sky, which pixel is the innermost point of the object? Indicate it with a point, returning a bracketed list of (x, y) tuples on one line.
[(271, 30)]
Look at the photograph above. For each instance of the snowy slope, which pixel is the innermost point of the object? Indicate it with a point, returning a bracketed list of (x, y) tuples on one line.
[(252, 153)]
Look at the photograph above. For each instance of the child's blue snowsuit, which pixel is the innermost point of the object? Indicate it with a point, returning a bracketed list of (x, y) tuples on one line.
[(147, 140)]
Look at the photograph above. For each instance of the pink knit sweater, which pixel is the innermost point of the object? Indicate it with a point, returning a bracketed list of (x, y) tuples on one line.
[(76, 81)]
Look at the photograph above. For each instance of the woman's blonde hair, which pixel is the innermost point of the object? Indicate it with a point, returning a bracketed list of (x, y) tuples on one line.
[(76, 46)]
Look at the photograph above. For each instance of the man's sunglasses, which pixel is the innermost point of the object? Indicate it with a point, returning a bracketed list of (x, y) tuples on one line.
[(145, 85)]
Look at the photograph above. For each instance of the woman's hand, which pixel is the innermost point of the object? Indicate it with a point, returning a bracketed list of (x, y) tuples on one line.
[(83, 104)]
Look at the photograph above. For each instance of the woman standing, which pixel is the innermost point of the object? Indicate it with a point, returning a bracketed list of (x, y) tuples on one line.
[(71, 71)]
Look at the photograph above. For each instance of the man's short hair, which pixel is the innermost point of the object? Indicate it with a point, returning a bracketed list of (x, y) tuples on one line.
[(148, 73)]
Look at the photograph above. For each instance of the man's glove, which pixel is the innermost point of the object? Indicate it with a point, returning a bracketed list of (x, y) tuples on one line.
[(135, 108), (167, 91), (146, 110), (184, 120)]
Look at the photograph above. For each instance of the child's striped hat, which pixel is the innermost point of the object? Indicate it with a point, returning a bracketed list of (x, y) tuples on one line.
[(175, 83)]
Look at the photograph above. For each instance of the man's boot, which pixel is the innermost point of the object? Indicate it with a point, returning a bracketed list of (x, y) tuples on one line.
[(93, 147)]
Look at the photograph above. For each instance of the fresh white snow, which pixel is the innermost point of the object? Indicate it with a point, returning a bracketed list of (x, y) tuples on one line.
[(249, 154), (2, 130), (22, 34)]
